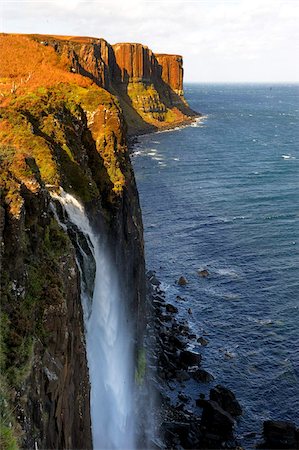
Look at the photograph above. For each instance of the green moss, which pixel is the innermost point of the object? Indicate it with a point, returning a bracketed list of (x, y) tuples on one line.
[(7, 438), (141, 367)]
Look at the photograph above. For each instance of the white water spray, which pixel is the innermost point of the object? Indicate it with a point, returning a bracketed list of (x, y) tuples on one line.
[(108, 341)]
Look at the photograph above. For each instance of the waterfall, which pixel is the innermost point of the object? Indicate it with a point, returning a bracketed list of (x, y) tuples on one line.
[(108, 337)]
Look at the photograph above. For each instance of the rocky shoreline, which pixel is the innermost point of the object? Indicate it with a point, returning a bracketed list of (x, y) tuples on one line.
[(184, 418)]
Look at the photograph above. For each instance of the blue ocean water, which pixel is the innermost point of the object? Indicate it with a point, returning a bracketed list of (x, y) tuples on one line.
[(223, 196)]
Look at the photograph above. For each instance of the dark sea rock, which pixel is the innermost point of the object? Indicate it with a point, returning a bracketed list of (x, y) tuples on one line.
[(202, 341), (217, 424), (203, 273), (202, 376), (226, 399), (280, 435), (171, 308), (188, 358), (177, 342), (182, 281)]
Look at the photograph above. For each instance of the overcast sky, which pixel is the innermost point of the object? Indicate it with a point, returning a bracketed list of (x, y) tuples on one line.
[(228, 40)]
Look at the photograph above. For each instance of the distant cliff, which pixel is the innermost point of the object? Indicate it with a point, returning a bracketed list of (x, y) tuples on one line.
[(66, 108)]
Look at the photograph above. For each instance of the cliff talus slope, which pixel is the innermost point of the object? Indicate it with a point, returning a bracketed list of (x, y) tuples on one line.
[(66, 106)]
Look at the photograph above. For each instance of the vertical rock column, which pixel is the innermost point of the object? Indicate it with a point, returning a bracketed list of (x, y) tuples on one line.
[(172, 71)]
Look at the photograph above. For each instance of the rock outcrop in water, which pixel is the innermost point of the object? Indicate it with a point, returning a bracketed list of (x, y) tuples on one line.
[(67, 106)]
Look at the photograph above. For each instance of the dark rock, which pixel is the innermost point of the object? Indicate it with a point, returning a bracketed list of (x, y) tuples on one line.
[(202, 376), (171, 309), (216, 423), (189, 311), (182, 281), (178, 297), (154, 280), (280, 435), (189, 358), (183, 398), (165, 318), (203, 273), (202, 341), (182, 375), (192, 336), (180, 429), (226, 399), (178, 342), (201, 401), (159, 298)]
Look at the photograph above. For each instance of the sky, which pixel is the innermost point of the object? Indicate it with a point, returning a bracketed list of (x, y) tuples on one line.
[(220, 41)]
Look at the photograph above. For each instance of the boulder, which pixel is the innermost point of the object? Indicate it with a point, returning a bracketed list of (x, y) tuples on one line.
[(171, 308), (216, 422), (182, 375), (202, 376), (154, 280), (203, 273), (188, 358), (280, 435), (182, 281), (226, 399), (177, 342), (202, 341)]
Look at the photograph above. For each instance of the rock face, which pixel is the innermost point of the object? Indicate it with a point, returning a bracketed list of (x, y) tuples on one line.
[(135, 62), (149, 87), (89, 57), (44, 346), (172, 72)]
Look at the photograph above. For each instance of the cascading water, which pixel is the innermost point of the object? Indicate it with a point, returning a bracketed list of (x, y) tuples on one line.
[(108, 338)]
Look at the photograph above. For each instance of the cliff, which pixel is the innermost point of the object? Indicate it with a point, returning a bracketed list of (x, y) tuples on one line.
[(66, 107)]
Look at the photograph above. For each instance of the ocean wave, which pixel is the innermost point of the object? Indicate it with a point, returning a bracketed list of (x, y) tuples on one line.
[(137, 153), (227, 272), (198, 122), (288, 157), (152, 152), (266, 321)]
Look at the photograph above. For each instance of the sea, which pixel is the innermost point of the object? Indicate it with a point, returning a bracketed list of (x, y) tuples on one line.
[(222, 195)]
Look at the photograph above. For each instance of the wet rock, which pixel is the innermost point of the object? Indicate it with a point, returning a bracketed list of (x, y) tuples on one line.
[(183, 398), (203, 273), (217, 424), (192, 336), (203, 341), (226, 399), (154, 280), (182, 281), (182, 375), (178, 342), (188, 358), (202, 376), (171, 309), (180, 429), (280, 435), (201, 401), (165, 318), (189, 311)]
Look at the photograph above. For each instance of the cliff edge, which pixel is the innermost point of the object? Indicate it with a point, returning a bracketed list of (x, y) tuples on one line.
[(67, 105)]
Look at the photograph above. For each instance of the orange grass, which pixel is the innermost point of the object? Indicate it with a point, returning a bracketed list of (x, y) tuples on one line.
[(27, 64)]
